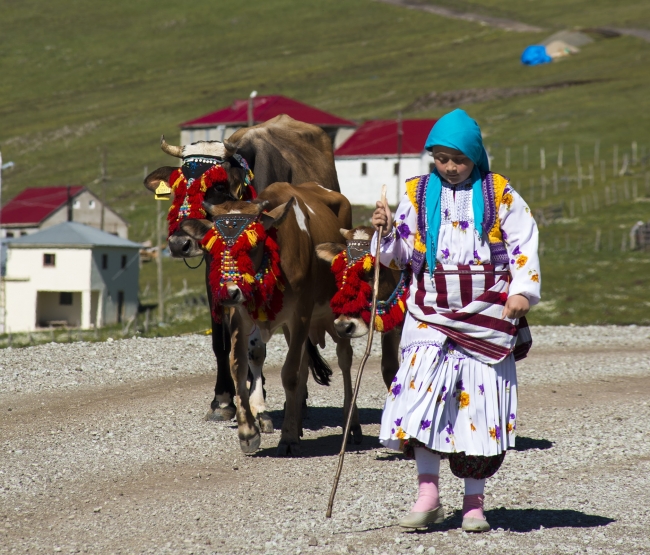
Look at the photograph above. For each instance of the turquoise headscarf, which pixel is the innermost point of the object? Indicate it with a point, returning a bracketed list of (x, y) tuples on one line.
[(454, 130)]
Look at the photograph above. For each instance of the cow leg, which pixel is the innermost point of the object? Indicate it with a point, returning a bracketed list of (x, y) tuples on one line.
[(222, 407), (344, 355), (249, 434), (256, 357), (390, 355), (294, 372)]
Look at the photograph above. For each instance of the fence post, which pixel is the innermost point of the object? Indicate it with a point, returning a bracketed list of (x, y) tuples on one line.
[(596, 152), (597, 243), (559, 156), (525, 157), (579, 177), (591, 175), (571, 209), (555, 182), (634, 153), (542, 158)]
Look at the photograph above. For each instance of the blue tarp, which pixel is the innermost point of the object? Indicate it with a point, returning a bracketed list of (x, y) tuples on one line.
[(535, 55)]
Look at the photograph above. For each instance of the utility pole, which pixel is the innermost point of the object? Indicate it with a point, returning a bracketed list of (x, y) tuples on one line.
[(161, 305), (251, 113), (103, 179), (400, 134)]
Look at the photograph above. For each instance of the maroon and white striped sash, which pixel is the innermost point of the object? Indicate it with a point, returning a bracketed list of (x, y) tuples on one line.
[(465, 302)]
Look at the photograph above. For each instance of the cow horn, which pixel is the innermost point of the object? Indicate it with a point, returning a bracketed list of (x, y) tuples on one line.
[(231, 148), (171, 149)]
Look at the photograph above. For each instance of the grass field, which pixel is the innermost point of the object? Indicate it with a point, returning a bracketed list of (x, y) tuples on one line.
[(80, 76)]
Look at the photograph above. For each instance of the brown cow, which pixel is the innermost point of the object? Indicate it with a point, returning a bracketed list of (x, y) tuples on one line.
[(303, 216), (353, 325), (280, 149)]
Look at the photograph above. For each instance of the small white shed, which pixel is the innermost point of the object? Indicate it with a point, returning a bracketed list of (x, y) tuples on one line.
[(375, 155), (70, 275)]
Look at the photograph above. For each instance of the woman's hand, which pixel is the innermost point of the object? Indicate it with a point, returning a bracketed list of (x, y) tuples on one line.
[(516, 307), (383, 218)]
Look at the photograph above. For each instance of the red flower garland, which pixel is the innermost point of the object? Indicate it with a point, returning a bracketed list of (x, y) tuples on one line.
[(195, 194), (354, 295), (262, 291)]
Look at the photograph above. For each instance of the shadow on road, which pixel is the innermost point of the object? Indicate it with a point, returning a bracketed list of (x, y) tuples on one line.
[(527, 520), (325, 446), (317, 418), (524, 443)]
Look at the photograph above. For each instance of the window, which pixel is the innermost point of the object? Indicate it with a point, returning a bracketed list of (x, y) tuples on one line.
[(396, 168), (23, 233), (432, 166), (364, 168), (124, 261), (91, 204), (10, 233), (76, 204), (65, 298), (104, 261), (49, 260)]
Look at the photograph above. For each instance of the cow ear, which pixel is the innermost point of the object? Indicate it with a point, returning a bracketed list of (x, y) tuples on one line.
[(276, 216), (196, 229), (154, 179), (327, 251), (347, 233)]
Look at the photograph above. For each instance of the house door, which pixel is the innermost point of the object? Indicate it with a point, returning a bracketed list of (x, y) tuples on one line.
[(120, 306)]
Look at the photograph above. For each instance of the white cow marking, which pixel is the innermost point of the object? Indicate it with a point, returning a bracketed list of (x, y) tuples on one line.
[(309, 208), (300, 218), (205, 148), (361, 235)]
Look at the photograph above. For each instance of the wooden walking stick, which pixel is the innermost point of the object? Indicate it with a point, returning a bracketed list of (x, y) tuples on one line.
[(366, 355)]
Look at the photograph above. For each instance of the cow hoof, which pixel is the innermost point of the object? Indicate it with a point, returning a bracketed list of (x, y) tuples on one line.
[(289, 449), (265, 423), (250, 445), (224, 414), (355, 436)]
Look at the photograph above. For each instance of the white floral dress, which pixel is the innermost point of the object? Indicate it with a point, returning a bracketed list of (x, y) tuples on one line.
[(441, 395)]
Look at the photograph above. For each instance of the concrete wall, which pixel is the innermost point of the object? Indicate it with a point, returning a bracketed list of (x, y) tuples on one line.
[(366, 189), (114, 279), (32, 290)]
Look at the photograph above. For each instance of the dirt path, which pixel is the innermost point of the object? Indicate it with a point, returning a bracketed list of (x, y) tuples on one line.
[(499, 23), (131, 467)]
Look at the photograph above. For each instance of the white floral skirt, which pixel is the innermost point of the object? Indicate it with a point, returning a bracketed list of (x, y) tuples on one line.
[(449, 401)]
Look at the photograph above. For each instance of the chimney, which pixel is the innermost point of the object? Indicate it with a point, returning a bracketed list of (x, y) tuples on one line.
[(251, 115), (69, 205)]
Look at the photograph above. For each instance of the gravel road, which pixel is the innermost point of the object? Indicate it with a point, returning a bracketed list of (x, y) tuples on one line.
[(103, 449)]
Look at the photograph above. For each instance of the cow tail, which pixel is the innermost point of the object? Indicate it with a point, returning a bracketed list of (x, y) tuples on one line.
[(320, 370)]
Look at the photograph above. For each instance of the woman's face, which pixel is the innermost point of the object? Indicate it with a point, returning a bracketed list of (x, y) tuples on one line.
[(452, 164)]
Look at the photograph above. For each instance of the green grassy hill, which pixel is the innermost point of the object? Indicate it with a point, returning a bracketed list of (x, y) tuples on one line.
[(80, 76)]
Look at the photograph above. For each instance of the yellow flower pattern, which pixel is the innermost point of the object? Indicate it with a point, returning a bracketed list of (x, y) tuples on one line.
[(412, 385), (507, 200), (521, 261), (472, 427), (400, 434), (463, 400)]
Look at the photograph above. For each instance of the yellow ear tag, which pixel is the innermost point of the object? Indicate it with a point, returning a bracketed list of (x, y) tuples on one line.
[(163, 191)]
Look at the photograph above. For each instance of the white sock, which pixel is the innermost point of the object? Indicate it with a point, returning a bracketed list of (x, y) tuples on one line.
[(426, 461), (472, 486)]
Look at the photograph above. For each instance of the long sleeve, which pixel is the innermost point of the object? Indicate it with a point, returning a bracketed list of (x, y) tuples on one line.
[(397, 247), (520, 235)]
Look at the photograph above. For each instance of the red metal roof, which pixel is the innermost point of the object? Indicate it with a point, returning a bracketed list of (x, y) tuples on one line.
[(265, 108), (35, 204), (379, 138)]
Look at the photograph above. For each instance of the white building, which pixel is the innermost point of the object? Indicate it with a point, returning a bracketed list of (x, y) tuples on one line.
[(69, 275), (369, 159)]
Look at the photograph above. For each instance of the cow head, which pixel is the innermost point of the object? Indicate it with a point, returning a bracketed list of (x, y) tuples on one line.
[(243, 253), (353, 266), (211, 172)]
